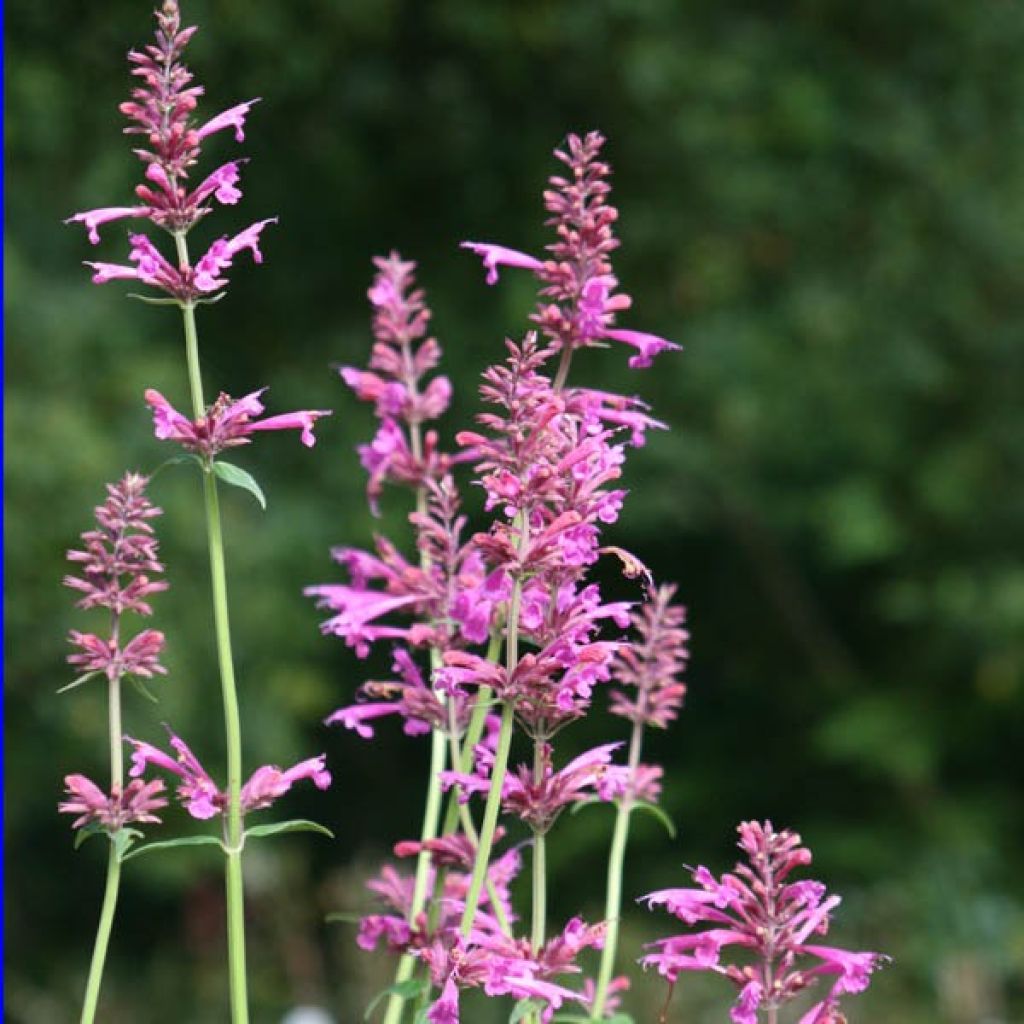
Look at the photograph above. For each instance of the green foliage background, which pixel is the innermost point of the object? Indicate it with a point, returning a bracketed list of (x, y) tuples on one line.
[(821, 199)]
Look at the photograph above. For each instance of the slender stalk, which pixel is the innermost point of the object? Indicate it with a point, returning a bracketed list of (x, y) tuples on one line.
[(432, 804), (539, 874), (225, 660), (613, 892), (113, 883), (493, 806), (99, 952)]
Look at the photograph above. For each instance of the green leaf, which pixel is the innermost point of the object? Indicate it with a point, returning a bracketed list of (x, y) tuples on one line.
[(580, 804), (238, 477), (343, 917), (643, 805), (403, 989), (87, 832), (168, 844), (151, 301), (524, 1008), (280, 827), (142, 690), (177, 460), (78, 681), (123, 839), (620, 1018)]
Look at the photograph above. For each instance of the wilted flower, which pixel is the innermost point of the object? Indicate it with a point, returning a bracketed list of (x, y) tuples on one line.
[(136, 803)]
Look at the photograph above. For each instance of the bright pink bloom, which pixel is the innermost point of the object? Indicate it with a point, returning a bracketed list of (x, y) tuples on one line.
[(227, 423), (757, 909), (495, 256), (112, 812), (201, 796), (92, 219), (233, 117)]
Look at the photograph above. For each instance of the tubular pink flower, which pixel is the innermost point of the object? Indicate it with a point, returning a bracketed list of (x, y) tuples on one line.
[(92, 219), (233, 117), (207, 275), (647, 345), (495, 256), (222, 184), (269, 783)]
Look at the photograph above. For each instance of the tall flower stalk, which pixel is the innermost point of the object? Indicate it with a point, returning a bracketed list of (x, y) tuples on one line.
[(160, 112), (117, 564), (652, 668)]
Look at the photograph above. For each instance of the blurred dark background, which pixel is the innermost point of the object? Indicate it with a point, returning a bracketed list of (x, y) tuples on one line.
[(821, 199)]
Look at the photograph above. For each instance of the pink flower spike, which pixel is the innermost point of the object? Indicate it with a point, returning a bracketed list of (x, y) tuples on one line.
[(647, 345), (92, 219), (233, 117), (495, 256)]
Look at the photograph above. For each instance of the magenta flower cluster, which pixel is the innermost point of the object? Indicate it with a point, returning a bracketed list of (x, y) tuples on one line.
[(774, 920), (160, 112)]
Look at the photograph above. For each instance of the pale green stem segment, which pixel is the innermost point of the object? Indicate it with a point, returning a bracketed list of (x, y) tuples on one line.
[(613, 894), (432, 805), (490, 822), (113, 883), (225, 660), (540, 879), (99, 952)]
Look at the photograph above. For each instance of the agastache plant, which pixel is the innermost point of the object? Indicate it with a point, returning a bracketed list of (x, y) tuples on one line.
[(548, 458), (118, 569), (161, 113)]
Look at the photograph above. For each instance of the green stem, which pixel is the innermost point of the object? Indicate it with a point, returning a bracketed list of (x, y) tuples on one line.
[(99, 951), (229, 692), (613, 893), (493, 806), (540, 879)]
